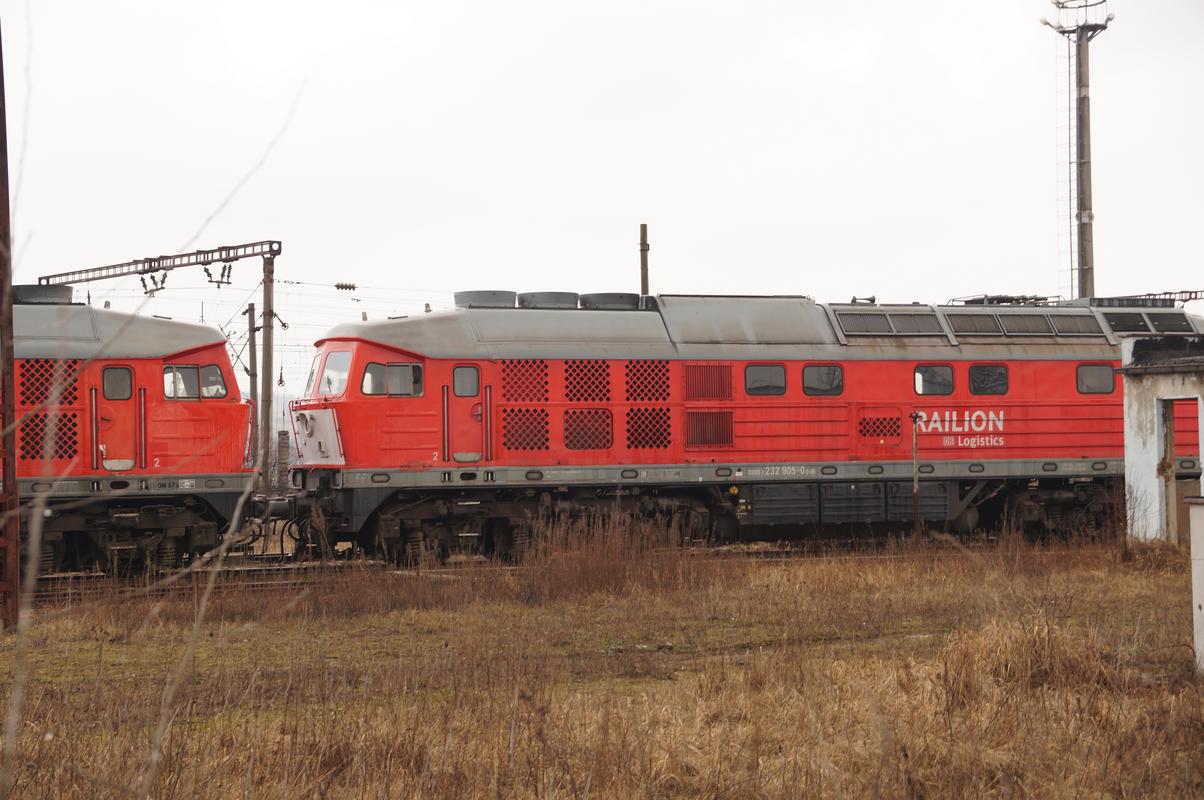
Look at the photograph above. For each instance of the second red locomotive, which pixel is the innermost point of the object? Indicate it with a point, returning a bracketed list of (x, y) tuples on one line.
[(734, 413)]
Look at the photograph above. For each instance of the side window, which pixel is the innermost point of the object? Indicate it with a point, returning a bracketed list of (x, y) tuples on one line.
[(823, 380), (212, 382), (313, 373), (988, 379), (181, 383), (118, 383), (1095, 379), (396, 380), (466, 381), (764, 379), (934, 379), (334, 374)]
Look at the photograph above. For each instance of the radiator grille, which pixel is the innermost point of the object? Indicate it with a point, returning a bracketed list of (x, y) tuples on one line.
[(47, 434), (708, 382), (648, 428), (587, 381), (525, 381), (647, 381), (41, 377), (708, 428), (587, 429), (525, 428)]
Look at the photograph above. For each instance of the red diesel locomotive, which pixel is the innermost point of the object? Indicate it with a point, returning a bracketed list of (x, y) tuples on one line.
[(129, 428), (734, 413)]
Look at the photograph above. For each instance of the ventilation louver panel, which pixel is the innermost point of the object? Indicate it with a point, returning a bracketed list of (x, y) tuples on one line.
[(588, 429), (708, 428), (525, 381), (587, 381), (525, 428), (973, 323), (1025, 324), (916, 324), (1076, 325), (1170, 323), (1127, 322), (49, 380), (648, 428), (708, 382), (861, 322), (647, 381), (47, 435)]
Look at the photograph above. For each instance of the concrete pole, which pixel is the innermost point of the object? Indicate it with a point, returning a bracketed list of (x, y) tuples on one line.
[(1086, 217), (265, 394)]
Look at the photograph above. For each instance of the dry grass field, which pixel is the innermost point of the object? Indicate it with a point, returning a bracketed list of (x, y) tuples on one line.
[(605, 669)]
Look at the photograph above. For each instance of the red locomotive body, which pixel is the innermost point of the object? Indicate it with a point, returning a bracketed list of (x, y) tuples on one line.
[(737, 411), (130, 429)]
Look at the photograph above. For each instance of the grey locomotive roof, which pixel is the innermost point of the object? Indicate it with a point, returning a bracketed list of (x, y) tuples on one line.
[(700, 327), (78, 331)]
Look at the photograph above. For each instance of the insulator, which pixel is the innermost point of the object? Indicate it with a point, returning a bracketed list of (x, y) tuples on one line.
[(346, 287)]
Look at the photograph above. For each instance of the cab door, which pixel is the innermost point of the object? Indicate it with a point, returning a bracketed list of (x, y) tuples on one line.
[(464, 416), (116, 419)]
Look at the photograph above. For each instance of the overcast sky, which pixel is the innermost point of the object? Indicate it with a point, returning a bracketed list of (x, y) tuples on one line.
[(905, 150)]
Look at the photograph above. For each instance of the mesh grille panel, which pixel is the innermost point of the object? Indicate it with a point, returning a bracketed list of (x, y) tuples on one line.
[(648, 428), (708, 382), (1076, 324), (525, 381), (916, 323), (973, 323), (647, 381), (41, 377), (55, 435), (587, 381), (708, 428), (879, 427), (587, 429), (525, 428)]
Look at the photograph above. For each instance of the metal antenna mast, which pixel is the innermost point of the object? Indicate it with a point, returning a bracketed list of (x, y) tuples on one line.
[(1080, 21)]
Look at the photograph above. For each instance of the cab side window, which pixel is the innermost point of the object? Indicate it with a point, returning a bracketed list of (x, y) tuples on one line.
[(212, 382), (823, 380), (988, 379), (1095, 379), (394, 380), (334, 374), (181, 382), (934, 379), (765, 379)]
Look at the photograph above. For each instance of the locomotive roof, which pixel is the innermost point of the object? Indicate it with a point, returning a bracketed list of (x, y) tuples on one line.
[(84, 332), (699, 327)]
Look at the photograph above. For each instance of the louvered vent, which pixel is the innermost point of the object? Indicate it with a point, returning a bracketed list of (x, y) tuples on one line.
[(525, 428), (44, 378), (1025, 323), (973, 323), (587, 429), (647, 381), (52, 435), (587, 381), (708, 428), (648, 428), (525, 381), (708, 382), (1076, 325)]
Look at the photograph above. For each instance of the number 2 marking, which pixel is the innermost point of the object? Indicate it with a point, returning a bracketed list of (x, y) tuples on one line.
[(156, 463)]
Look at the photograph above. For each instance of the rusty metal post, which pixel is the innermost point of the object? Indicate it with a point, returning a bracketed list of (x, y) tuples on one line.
[(265, 393), (10, 555), (643, 259), (916, 522)]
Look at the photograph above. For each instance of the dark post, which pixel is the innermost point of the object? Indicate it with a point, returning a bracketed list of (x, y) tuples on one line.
[(265, 393), (916, 521), (253, 374), (10, 572), (643, 259)]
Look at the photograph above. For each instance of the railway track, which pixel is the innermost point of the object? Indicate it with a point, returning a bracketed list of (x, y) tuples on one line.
[(270, 574)]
